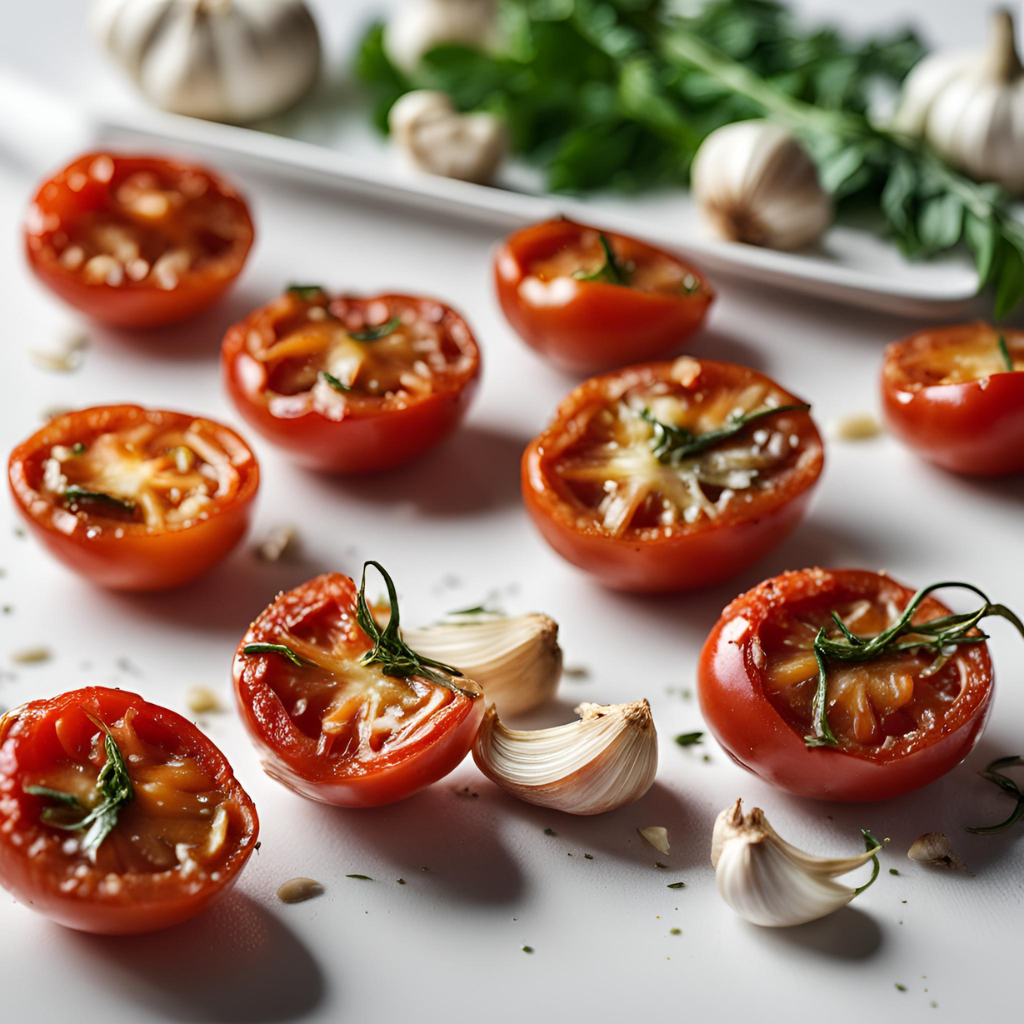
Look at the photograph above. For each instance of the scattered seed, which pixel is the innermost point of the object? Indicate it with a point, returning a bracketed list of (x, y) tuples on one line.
[(401, 881), (201, 699), (658, 864), (550, 832), (588, 856), (657, 836), (276, 543), (576, 672), (858, 426), (675, 931), (893, 871), (465, 791), (935, 848), (295, 890), (31, 655), (259, 843)]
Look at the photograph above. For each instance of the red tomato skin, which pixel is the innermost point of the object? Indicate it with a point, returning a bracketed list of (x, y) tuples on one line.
[(285, 754), (975, 428), (126, 306), (27, 880), (756, 737), (601, 326), (665, 564), (133, 562), (686, 562), (361, 444)]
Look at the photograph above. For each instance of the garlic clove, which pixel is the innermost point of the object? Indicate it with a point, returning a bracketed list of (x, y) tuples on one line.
[(515, 658), (657, 836), (437, 139), (771, 883), (607, 759), (935, 848), (756, 183), (420, 25)]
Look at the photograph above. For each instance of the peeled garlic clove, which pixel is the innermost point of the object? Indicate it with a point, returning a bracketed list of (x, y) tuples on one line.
[(420, 25), (757, 184), (605, 760), (771, 883), (515, 658), (657, 836), (437, 139)]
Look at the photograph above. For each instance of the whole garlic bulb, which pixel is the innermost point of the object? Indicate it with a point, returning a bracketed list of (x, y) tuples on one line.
[(420, 25), (970, 108), (437, 139), (607, 759), (769, 882), (757, 184), (515, 658), (223, 60)]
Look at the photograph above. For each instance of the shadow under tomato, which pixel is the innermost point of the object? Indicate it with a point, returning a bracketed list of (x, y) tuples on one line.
[(848, 934), (475, 471), (726, 348), (236, 963), (450, 833)]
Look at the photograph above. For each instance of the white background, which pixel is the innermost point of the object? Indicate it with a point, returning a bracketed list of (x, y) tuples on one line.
[(447, 946)]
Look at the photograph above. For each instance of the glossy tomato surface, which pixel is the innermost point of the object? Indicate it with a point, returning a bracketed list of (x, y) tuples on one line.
[(137, 241), (955, 397), (333, 729), (177, 845), (133, 498), (899, 724), (351, 385), (590, 325), (606, 500)]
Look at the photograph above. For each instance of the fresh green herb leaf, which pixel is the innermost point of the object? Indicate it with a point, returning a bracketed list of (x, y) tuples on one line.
[(611, 270), (937, 636), (993, 773), (893, 871), (527, 949), (675, 931), (676, 885), (56, 795), (689, 739), (391, 652), (306, 292), (900, 988), (282, 649), (1005, 353), (362, 878), (378, 332), (74, 495), (338, 385), (870, 844), (114, 790), (672, 444)]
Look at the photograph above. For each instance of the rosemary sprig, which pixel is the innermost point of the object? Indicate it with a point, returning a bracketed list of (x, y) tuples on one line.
[(378, 332), (391, 652), (1005, 353), (283, 649), (74, 494), (672, 444), (870, 843), (115, 791), (611, 270), (993, 774), (938, 636), (338, 385)]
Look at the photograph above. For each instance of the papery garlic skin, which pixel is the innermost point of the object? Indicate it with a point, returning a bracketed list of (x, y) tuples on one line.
[(420, 25), (756, 183), (969, 106), (607, 759), (769, 882), (223, 60), (515, 658), (436, 138)]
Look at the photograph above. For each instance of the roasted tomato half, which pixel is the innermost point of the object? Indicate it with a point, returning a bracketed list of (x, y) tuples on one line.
[(132, 498), (956, 396), (351, 385), (591, 300), (116, 815), (671, 476), (137, 241), (339, 708), (897, 721)]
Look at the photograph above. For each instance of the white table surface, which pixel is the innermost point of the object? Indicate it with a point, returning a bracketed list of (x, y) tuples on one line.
[(447, 946)]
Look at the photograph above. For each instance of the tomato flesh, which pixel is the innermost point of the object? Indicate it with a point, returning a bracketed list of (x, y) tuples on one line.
[(950, 394), (310, 372), (177, 845), (137, 241), (900, 721), (603, 497), (135, 498), (336, 730), (543, 276)]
